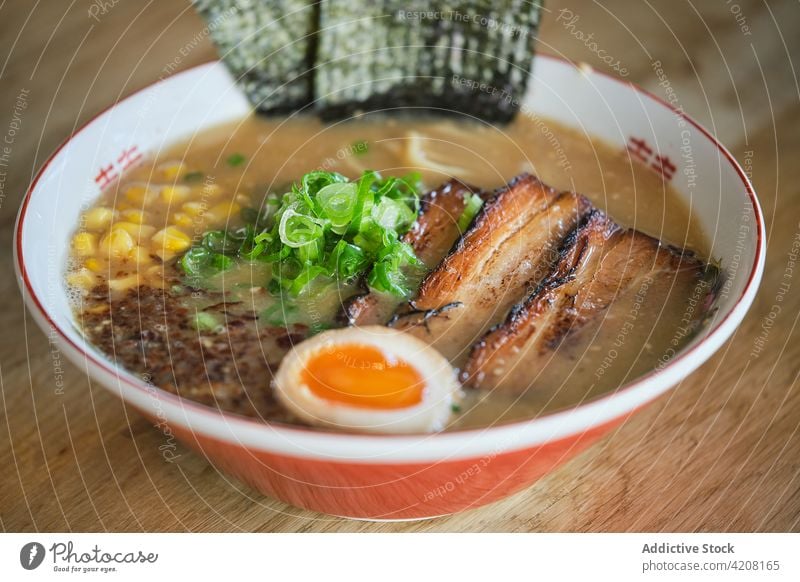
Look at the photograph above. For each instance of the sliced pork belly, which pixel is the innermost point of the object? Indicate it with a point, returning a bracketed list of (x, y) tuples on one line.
[(595, 316), (510, 248), (432, 236), (436, 229)]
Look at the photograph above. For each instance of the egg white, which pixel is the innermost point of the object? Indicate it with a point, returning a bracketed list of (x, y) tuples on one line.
[(440, 392)]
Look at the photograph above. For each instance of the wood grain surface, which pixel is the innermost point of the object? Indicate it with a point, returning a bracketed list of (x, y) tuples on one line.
[(720, 452)]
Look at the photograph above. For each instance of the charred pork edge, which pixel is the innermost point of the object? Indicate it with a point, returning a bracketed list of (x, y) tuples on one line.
[(491, 201), (488, 208), (558, 277)]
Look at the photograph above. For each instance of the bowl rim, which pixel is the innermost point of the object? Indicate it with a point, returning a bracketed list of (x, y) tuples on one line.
[(317, 443)]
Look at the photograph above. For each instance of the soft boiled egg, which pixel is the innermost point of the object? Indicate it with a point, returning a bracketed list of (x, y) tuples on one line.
[(370, 379)]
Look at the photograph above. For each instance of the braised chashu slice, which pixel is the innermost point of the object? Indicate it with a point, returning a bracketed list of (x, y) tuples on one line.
[(509, 249), (432, 236), (595, 315)]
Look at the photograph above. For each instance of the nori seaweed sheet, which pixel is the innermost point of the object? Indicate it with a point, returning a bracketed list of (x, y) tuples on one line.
[(268, 45), (470, 57)]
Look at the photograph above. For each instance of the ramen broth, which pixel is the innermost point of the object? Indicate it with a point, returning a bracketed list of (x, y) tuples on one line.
[(166, 204)]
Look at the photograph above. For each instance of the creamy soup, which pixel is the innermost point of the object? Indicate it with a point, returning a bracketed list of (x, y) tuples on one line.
[(221, 341)]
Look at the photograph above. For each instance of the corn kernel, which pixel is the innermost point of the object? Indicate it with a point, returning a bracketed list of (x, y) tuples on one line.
[(82, 279), (94, 265), (171, 240), (223, 212), (102, 308), (142, 256), (156, 271), (134, 215), (175, 194), (139, 194), (123, 283), (98, 218), (137, 231), (84, 244), (172, 170), (155, 276), (117, 244), (182, 219), (194, 209)]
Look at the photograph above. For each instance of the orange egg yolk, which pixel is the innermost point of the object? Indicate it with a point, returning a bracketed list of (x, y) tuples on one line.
[(363, 376)]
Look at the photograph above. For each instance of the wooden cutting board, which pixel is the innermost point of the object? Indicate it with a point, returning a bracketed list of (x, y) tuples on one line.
[(720, 452)]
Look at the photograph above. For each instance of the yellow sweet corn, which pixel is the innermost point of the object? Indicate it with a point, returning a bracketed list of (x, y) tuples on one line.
[(84, 244), (117, 244), (123, 283), (223, 212), (82, 279), (134, 215), (194, 209), (139, 194), (97, 218), (155, 272), (94, 265), (172, 170), (182, 219), (171, 240), (137, 231), (175, 194), (141, 256)]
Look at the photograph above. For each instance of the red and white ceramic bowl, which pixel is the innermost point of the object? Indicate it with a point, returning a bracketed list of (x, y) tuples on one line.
[(389, 477)]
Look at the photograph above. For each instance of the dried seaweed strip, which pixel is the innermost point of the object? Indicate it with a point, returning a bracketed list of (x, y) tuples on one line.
[(470, 58), (269, 46)]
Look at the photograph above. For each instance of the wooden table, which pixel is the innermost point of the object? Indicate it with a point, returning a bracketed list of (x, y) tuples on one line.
[(720, 452)]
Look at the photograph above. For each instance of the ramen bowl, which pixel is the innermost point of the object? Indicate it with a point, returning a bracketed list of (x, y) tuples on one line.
[(389, 477)]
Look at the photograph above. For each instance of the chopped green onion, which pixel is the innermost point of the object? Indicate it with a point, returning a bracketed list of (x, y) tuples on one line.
[(347, 260), (201, 262), (207, 322), (338, 203), (195, 260), (193, 176), (281, 314), (221, 262), (383, 278), (394, 215), (297, 230), (310, 253), (324, 231), (236, 160), (221, 241), (305, 277), (471, 208)]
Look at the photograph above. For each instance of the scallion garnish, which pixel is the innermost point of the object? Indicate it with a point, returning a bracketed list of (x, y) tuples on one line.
[(471, 208), (338, 203), (193, 176), (326, 229), (236, 160), (207, 322)]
